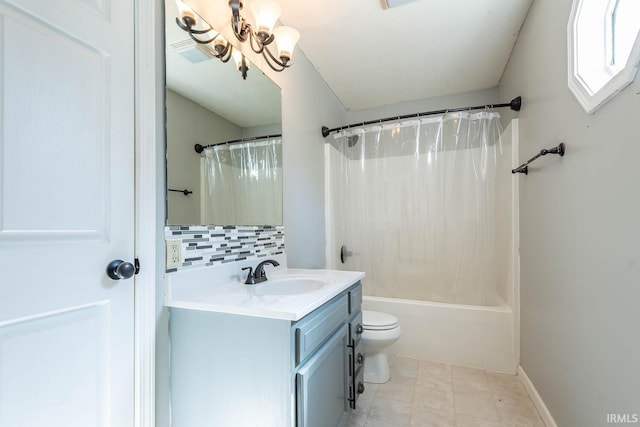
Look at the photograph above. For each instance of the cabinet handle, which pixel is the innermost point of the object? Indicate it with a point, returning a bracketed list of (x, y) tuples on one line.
[(360, 388), (359, 330), (360, 359)]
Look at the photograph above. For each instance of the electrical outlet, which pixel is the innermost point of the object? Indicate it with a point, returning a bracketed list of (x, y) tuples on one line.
[(174, 253)]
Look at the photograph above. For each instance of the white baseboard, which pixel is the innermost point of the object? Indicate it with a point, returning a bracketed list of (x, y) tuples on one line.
[(547, 419)]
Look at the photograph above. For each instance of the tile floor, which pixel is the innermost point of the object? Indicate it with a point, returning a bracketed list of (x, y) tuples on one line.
[(429, 394)]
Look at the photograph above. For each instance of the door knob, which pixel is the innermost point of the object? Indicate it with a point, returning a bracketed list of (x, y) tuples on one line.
[(119, 269)]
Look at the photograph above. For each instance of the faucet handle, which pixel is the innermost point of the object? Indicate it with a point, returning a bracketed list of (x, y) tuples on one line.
[(251, 280)]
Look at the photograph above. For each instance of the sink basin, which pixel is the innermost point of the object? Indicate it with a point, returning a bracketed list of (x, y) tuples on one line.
[(290, 285)]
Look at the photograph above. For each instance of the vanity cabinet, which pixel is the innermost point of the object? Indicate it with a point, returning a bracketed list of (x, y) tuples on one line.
[(238, 370)]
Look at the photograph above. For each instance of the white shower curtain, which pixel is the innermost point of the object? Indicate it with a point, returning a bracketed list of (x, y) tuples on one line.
[(414, 203), (242, 183)]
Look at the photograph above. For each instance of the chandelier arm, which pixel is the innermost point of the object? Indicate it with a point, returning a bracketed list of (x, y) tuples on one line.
[(266, 54), (197, 40), (225, 56), (240, 28), (279, 63), (190, 29), (253, 39)]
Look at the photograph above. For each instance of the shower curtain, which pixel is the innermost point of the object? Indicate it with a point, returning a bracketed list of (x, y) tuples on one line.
[(242, 183), (414, 205)]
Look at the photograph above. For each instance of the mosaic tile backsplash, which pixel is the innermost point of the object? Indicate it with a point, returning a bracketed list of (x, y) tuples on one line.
[(203, 246)]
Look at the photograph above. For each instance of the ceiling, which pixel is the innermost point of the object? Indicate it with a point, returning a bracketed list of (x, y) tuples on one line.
[(371, 56)]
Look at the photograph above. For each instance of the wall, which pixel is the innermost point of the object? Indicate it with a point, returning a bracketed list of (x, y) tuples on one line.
[(273, 129), (465, 99), (580, 262), (307, 105), (187, 124)]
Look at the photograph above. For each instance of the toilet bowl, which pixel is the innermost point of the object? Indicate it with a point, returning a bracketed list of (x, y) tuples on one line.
[(380, 331)]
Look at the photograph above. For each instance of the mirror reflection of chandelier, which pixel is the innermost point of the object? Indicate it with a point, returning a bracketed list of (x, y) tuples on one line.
[(260, 34)]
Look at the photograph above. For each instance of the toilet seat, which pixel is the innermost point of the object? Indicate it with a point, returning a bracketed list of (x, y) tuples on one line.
[(377, 321)]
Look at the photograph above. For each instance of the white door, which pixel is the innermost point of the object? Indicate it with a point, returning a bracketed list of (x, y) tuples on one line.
[(66, 211)]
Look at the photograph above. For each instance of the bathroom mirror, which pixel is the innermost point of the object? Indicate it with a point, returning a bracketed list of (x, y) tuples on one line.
[(208, 102)]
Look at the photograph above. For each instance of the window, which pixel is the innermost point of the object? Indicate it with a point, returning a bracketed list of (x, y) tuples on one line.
[(604, 49)]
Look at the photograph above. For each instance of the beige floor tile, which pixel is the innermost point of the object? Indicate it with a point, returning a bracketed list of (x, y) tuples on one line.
[(403, 369), (514, 394), (430, 369), (372, 422), (363, 405), (438, 397), (390, 411), (480, 408), (425, 417), (468, 373), (357, 420), (396, 391), (469, 421), (473, 388), (497, 378), (370, 390), (519, 416), (434, 381), (423, 393)]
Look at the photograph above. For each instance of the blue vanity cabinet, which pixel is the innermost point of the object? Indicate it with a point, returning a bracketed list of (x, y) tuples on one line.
[(239, 370), (322, 373), (321, 385)]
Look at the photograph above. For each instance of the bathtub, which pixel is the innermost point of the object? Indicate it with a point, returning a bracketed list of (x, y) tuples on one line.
[(465, 335)]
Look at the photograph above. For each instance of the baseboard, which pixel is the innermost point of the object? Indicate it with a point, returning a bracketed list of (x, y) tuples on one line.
[(547, 419)]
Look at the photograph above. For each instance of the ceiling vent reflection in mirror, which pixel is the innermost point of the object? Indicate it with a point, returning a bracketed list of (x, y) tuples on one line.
[(260, 34)]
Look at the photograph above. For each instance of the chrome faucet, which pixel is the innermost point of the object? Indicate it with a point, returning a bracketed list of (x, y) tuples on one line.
[(259, 276)]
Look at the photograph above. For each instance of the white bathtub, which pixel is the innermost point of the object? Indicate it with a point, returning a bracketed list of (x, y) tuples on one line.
[(465, 335)]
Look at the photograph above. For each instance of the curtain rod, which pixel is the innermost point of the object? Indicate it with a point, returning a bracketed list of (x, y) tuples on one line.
[(515, 105), (200, 148)]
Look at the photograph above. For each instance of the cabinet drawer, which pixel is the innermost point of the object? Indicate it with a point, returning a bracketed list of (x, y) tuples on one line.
[(313, 330), (355, 298)]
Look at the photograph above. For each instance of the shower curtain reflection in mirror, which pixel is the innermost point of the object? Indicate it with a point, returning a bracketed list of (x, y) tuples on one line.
[(415, 202), (242, 183)]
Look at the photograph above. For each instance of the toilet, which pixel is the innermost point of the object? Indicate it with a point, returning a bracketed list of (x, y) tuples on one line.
[(380, 331)]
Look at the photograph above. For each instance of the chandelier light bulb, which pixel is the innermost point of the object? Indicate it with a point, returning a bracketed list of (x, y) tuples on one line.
[(219, 42), (286, 39), (265, 15), (185, 13), (237, 58)]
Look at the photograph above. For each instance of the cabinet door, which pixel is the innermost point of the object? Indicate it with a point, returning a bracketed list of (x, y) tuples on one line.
[(322, 385)]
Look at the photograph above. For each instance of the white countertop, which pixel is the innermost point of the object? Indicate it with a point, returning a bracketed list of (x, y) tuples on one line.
[(197, 290)]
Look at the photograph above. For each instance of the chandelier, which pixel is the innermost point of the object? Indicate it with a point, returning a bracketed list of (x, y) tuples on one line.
[(261, 35)]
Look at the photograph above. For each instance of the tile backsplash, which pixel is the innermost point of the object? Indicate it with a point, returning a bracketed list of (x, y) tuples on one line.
[(203, 245)]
